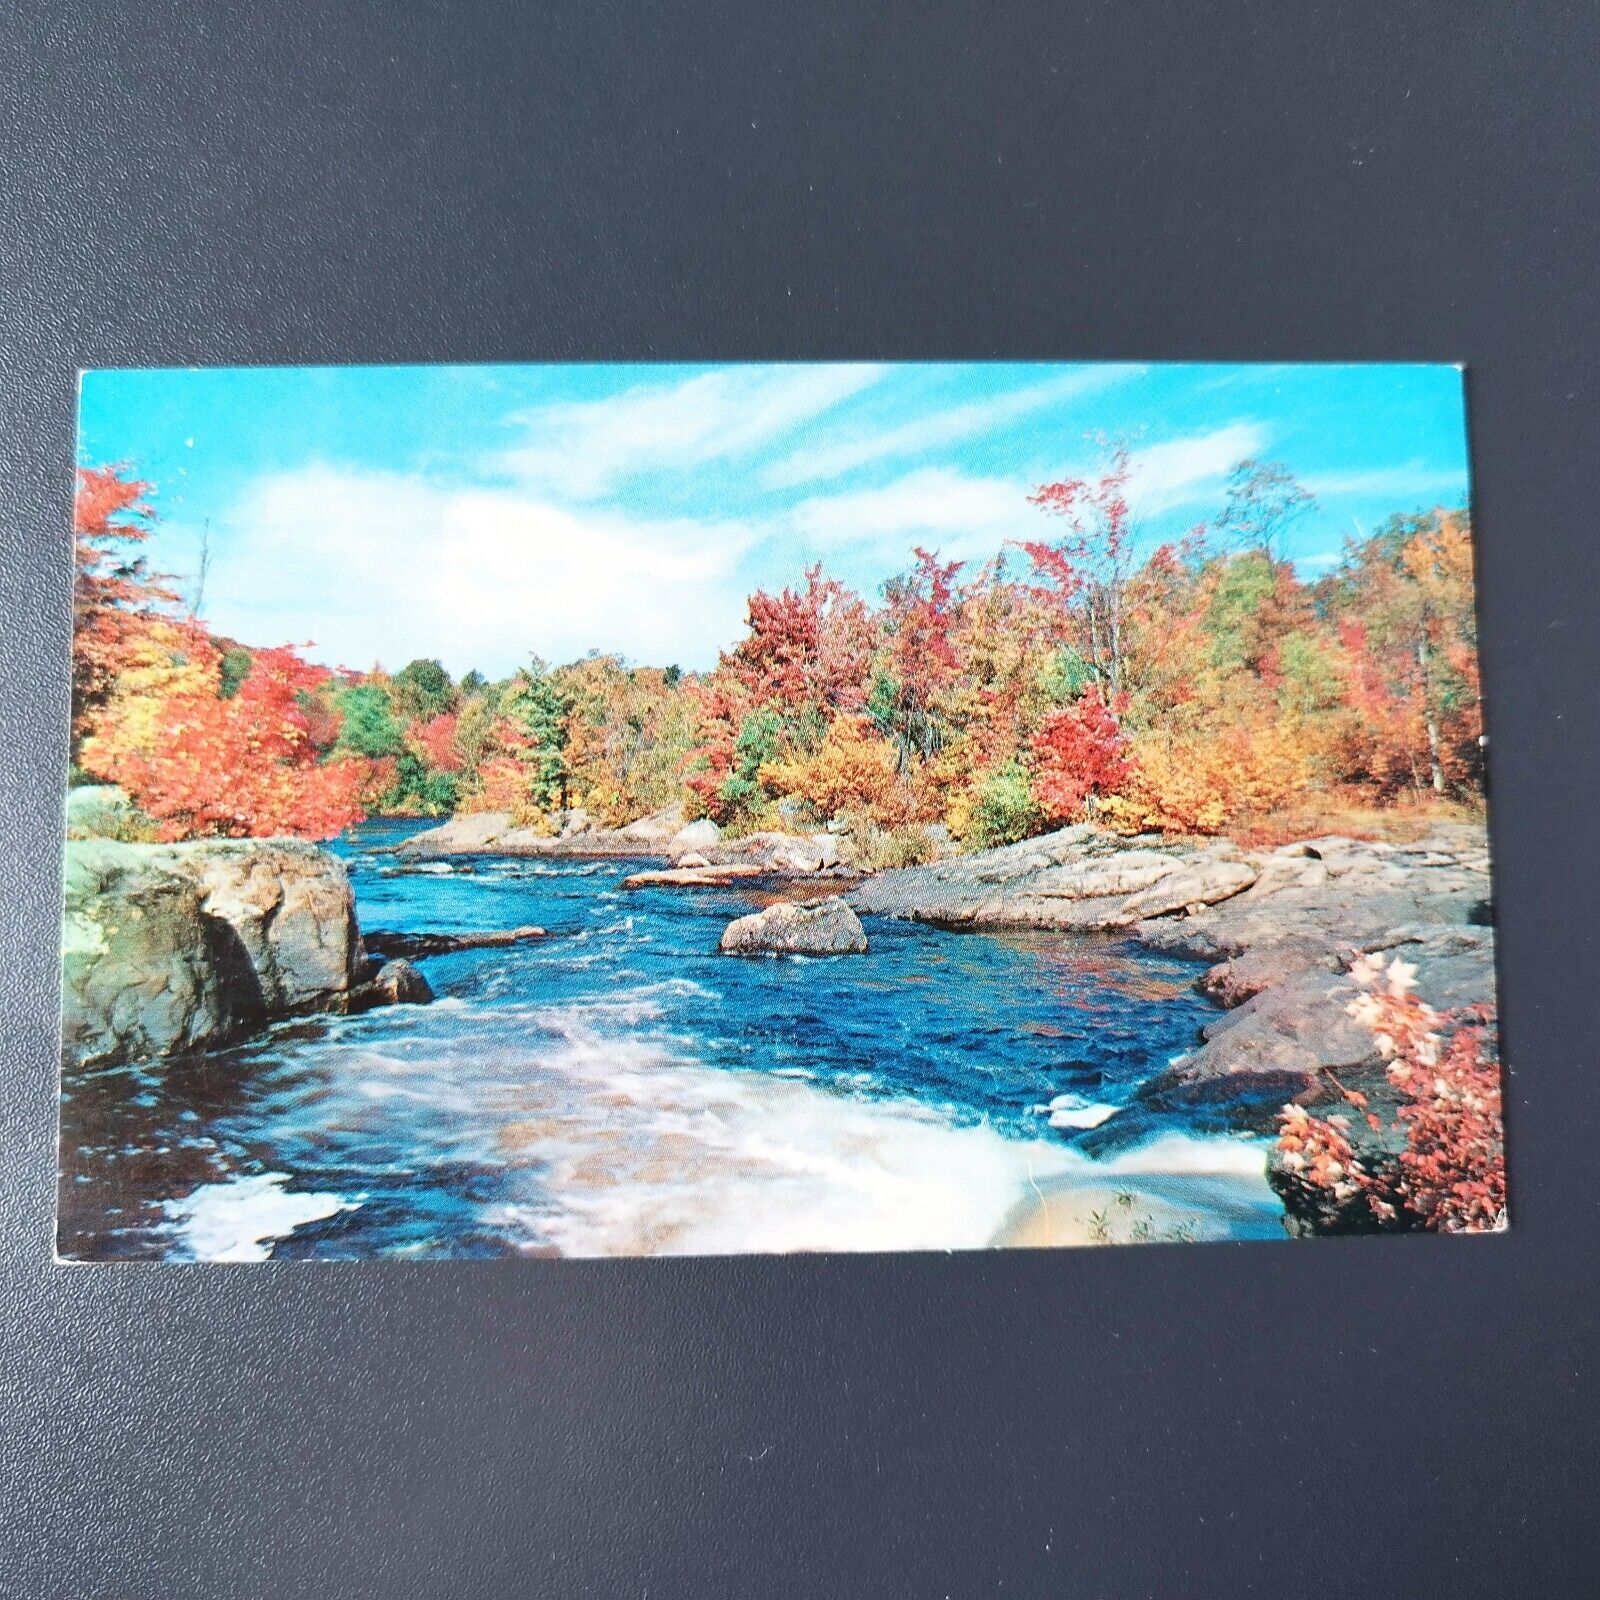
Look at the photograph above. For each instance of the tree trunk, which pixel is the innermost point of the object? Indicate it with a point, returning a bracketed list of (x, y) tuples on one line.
[(1429, 720)]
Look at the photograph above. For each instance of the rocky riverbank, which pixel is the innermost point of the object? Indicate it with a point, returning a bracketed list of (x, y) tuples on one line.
[(690, 847), (1281, 929)]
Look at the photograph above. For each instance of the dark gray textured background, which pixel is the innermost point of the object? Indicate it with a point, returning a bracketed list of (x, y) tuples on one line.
[(216, 183)]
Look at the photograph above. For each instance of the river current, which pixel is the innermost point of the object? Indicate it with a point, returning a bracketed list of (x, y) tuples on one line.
[(620, 1088)]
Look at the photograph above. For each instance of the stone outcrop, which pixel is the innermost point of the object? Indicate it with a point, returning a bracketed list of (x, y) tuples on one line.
[(173, 948), (700, 875), (701, 835), (824, 928), (394, 983), (1079, 879)]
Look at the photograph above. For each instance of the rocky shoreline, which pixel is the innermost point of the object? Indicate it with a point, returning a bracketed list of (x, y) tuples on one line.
[(696, 852), (1281, 928)]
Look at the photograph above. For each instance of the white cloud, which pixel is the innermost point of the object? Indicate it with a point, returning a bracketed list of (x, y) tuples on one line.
[(1180, 471), (583, 448), (830, 459), (964, 516), (378, 566)]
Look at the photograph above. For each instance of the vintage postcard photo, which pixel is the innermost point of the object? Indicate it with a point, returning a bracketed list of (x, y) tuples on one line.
[(638, 810)]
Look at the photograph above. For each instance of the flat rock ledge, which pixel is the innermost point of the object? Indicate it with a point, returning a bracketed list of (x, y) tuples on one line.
[(824, 928)]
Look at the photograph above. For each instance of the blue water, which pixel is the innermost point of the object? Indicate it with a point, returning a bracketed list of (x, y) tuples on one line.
[(621, 1088)]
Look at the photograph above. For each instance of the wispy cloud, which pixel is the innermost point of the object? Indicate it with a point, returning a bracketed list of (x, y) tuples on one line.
[(1411, 481), (583, 449), (831, 458), (1178, 472)]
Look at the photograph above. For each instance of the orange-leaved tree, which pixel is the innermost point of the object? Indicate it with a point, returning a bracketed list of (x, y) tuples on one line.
[(239, 767), (114, 595)]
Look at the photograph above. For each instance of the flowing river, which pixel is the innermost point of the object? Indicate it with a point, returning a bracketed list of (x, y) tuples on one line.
[(619, 1088)]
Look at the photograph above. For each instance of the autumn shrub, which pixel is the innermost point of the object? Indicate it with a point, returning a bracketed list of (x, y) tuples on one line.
[(1199, 782), (852, 770), (877, 849), (1450, 1177), (1080, 755), (998, 809)]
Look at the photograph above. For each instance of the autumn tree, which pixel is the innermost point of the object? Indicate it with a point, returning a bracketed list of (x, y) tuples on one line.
[(920, 660), (1085, 574), (422, 689), (537, 708), (242, 766)]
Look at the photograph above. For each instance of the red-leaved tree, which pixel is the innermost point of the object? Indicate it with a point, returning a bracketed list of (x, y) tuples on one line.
[(1080, 754), (113, 594), (241, 767)]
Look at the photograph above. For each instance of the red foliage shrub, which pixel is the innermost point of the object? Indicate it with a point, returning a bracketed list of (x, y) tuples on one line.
[(1451, 1176)]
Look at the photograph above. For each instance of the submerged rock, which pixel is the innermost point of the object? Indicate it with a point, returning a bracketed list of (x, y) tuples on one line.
[(827, 928), (383, 942)]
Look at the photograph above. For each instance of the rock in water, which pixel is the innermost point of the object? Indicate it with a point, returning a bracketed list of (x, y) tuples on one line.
[(385, 942), (396, 983), (173, 948), (470, 831), (826, 928), (292, 907)]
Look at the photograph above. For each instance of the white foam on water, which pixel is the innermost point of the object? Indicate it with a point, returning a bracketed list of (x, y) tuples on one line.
[(234, 1221), (608, 1137), (671, 1158)]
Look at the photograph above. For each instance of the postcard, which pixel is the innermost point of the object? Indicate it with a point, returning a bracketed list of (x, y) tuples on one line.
[(602, 810)]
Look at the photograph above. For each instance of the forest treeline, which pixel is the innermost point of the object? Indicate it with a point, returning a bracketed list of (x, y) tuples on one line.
[(1198, 687)]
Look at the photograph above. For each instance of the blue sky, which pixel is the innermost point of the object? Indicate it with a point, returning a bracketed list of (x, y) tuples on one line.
[(480, 514)]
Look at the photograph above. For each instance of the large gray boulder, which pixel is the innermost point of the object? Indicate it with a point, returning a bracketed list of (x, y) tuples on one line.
[(827, 928), (463, 834), (291, 906), (656, 828), (180, 947), (699, 835)]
